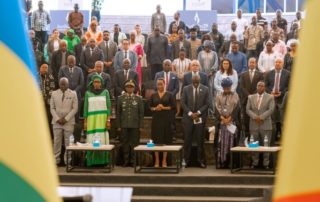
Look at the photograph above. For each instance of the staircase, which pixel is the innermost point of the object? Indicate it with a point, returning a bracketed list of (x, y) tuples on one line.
[(192, 184)]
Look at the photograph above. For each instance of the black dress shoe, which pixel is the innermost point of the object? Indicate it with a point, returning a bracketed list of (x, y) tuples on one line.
[(202, 165), (126, 164)]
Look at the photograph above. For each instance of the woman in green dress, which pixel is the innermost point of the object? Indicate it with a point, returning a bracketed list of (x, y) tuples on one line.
[(97, 110)]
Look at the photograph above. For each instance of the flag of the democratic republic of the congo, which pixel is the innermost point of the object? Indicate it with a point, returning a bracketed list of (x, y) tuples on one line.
[(27, 169)]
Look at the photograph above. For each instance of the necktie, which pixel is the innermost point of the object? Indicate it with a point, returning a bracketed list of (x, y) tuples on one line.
[(62, 96), (70, 70), (167, 80), (91, 51), (259, 101), (126, 74), (107, 49), (251, 75), (276, 83), (125, 54), (195, 101)]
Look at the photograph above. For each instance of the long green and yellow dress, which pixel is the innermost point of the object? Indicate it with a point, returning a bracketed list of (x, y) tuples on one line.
[(97, 108)]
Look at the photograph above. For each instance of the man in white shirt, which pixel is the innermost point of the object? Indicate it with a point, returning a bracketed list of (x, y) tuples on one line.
[(117, 36), (242, 23), (234, 31)]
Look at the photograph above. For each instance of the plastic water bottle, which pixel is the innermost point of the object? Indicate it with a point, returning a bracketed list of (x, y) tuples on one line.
[(251, 139), (183, 164), (96, 140), (265, 141), (71, 140)]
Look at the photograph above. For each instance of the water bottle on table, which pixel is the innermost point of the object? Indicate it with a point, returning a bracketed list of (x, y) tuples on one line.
[(266, 141), (71, 140), (96, 140)]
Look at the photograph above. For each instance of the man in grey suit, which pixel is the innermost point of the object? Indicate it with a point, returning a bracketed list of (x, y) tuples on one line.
[(107, 84), (89, 57), (180, 43), (157, 47), (109, 49), (123, 75), (74, 75), (123, 54), (159, 19), (260, 107), (63, 107), (195, 103)]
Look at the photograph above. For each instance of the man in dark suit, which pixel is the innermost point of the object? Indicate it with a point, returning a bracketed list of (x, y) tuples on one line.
[(277, 84), (73, 74), (248, 86), (180, 24), (226, 46), (170, 78), (59, 59), (195, 103), (89, 57), (157, 47), (107, 84), (123, 75), (195, 67), (180, 43), (123, 54), (109, 49), (78, 50)]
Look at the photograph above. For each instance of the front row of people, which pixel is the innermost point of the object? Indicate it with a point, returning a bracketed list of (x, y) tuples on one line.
[(195, 102)]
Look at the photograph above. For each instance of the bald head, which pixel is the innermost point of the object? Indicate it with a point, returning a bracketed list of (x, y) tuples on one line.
[(196, 81), (98, 66), (278, 64), (63, 45), (63, 84), (195, 65), (252, 63), (166, 65), (126, 64), (71, 61)]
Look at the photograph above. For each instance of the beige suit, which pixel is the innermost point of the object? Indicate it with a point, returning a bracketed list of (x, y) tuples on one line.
[(63, 107)]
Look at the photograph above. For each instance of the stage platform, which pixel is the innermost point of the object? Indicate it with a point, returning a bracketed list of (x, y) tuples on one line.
[(191, 184)]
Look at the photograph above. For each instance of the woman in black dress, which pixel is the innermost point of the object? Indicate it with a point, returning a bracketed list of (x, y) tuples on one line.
[(161, 104)]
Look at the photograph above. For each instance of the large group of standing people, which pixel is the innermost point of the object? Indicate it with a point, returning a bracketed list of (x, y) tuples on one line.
[(242, 76)]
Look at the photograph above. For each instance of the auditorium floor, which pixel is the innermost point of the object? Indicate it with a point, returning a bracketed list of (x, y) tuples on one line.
[(192, 171)]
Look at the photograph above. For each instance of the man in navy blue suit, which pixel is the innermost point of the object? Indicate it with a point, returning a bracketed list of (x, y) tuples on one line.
[(170, 78), (277, 84)]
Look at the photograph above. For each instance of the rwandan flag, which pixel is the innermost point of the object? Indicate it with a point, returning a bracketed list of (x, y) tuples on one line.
[(27, 170)]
